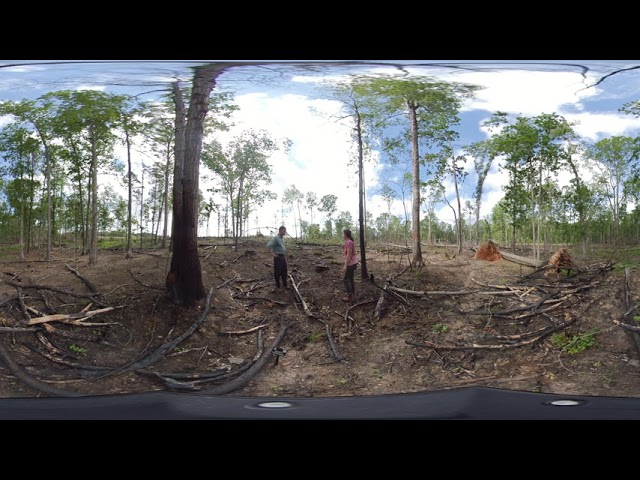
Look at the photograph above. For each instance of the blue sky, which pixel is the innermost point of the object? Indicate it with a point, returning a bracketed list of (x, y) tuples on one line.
[(285, 102)]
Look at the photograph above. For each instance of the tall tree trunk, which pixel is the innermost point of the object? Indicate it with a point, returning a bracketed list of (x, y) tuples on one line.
[(87, 223), (415, 206), (142, 206), (47, 158), (22, 257), (166, 200), (129, 252), (93, 257), (184, 280), (459, 219), (48, 254), (28, 240), (361, 196)]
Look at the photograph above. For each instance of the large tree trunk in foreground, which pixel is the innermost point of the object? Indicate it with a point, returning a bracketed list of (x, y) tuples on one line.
[(184, 280)]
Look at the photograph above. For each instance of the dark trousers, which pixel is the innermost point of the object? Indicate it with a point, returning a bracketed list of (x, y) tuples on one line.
[(280, 270), (349, 283)]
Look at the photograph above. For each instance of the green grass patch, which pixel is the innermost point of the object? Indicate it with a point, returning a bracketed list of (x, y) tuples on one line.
[(440, 328), (314, 337), (575, 343)]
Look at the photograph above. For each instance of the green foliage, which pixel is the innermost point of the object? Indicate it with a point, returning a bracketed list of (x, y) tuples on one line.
[(111, 242), (575, 343), (440, 328), (636, 318), (314, 337), (78, 349)]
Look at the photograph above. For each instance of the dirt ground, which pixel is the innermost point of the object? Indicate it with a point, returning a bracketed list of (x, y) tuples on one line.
[(456, 322)]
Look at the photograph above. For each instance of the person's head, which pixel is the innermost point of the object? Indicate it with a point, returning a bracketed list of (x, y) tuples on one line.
[(282, 231), (347, 234)]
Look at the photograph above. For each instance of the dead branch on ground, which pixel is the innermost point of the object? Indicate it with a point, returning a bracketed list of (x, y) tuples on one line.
[(244, 332), (25, 377), (165, 348), (90, 296), (501, 346), (306, 309), (89, 285), (245, 377), (144, 284), (627, 318), (73, 318)]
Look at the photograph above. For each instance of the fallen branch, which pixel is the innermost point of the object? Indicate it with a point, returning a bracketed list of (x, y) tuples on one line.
[(18, 329), (351, 307), (91, 296), (244, 378), (89, 285), (377, 313), (144, 284), (226, 282), (165, 348), (244, 332), (306, 309), (631, 328), (635, 336), (22, 375), (548, 331), (332, 343), (73, 318)]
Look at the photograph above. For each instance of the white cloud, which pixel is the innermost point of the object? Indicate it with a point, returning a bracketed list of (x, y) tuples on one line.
[(527, 92), (322, 147), (595, 126), (319, 160)]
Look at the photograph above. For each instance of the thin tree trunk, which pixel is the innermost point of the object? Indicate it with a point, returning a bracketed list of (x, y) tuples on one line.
[(166, 200), (93, 257), (364, 274), (415, 207)]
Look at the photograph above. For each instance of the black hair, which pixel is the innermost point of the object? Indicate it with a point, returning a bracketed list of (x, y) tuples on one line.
[(347, 232)]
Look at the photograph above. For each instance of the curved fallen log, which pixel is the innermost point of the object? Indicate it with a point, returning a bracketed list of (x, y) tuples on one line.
[(75, 366), (244, 378), (23, 376), (165, 348)]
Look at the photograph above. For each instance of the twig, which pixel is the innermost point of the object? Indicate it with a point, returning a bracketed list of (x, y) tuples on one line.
[(90, 285), (244, 332)]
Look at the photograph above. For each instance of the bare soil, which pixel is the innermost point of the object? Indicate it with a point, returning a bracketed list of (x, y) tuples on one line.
[(482, 328)]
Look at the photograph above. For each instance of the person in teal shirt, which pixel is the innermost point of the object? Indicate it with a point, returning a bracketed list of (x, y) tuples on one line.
[(277, 248)]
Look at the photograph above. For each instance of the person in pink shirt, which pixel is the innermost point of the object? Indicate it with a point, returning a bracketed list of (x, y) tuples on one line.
[(350, 264)]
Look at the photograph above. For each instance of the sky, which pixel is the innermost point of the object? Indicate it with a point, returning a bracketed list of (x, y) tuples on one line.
[(285, 101)]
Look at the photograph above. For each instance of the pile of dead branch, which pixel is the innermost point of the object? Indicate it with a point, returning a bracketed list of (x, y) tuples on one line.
[(524, 313), (40, 320)]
